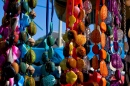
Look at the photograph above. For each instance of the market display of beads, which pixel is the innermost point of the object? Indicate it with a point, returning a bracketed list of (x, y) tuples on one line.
[(98, 56)]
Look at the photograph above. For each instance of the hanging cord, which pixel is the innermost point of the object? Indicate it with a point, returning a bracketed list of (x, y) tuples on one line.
[(126, 68), (52, 11), (47, 17), (97, 12)]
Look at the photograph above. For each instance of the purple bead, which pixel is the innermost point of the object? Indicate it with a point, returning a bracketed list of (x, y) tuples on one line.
[(5, 33), (115, 83), (116, 46), (118, 74), (6, 4), (2, 60), (115, 34), (115, 7), (116, 61)]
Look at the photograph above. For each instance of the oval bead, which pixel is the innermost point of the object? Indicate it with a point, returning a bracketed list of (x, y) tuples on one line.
[(103, 27), (80, 51), (71, 62), (103, 40), (81, 40), (16, 67), (63, 64), (32, 29), (80, 77), (80, 64), (95, 49), (95, 62), (102, 54), (126, 46), (71, 77), (103, 68), (30, 56), (95, 36), (103, 12)]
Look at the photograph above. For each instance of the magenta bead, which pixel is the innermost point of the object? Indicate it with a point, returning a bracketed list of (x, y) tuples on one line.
[(116, 61), (116, 46), (118, 74)]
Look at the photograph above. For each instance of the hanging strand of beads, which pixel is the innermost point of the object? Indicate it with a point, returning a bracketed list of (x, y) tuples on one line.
[(102, 52)]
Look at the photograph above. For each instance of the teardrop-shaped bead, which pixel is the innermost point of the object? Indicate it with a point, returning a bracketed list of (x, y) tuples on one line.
[(95, 36), (95, 62)]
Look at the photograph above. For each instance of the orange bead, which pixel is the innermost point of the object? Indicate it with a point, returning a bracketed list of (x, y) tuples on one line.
[(15, 66), (80, 64), (80, 76), (102, 54), (95, 62), (103, 26), (103, 12), (95, 36), (103, 82), (103, 69), (103, 40), (71, 62)]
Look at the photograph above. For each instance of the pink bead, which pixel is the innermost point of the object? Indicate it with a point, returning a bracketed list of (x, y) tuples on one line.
[(76, 11), (87, 5)]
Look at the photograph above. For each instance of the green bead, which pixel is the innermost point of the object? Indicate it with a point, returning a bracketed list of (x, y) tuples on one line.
[(109, 30), (50, 52), (30, 56), (32, 29), (50, 40), (23, 67), (24, 6), (108, 83), (108, 57)]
